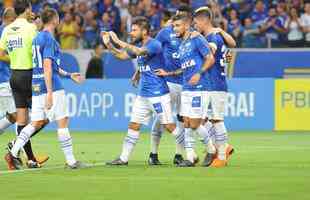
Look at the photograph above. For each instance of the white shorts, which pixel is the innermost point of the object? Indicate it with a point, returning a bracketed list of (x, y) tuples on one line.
[(58, 111), (216, 101), (192, 104), (175, 93), (145, 107), (7, 103)]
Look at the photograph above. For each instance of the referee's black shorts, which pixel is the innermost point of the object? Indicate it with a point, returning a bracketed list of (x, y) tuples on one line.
[(21, 87)]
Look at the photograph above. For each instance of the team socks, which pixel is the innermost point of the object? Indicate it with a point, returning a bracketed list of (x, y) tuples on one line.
[(65, 141), (129, 143), (24, 134)]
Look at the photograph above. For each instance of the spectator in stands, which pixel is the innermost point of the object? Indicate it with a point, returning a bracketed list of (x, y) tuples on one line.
[(68, 32), (166, 16), (251, 35), (218, 18), (155, 18), (294, 29), (234, 26), (259, 14), (105, 24), (82, 8), (173, 5), (305, 22), (245, 8), (124, 13), (95, 66), (89, 30), (36, 6), (273, 28), (283, 16), (108, 6)]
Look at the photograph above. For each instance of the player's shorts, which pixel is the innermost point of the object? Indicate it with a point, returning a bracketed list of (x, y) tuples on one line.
[(175, 93), (21, 87), (192, 104), (145, 107), (7, 103), (58, 111), (216, 101)]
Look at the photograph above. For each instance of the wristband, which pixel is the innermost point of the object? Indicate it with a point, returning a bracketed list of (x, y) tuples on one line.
[(67, 75)]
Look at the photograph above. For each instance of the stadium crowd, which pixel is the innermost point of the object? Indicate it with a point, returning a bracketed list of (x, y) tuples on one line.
[(254, 24)]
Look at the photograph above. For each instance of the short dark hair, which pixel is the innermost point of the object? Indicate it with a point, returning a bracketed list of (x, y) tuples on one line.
[(181, 16), (142, 22), (48, 14), (184, 8), (205, 11), (20, 6)]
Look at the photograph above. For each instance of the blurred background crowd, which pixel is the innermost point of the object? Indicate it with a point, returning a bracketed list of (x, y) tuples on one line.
[(254, 24)]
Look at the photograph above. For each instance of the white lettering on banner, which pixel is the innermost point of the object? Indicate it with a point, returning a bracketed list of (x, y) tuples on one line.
[(83, 107), (239, 104), (87, 104), (129, 101), (107, 102)]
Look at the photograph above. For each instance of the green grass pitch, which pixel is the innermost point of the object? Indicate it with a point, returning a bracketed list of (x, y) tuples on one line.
[(265, 165)]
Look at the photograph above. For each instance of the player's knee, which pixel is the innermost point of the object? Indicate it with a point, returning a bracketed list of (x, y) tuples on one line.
[(38, 124), (186, 122), (134, 126), (195, 123), (11, 117)]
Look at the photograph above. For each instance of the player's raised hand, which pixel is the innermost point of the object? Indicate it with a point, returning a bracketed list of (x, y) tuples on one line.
[(105, 37), (114, 37), (161, 72), (49, 100), (76, 77), (195, 79), (228, 56)]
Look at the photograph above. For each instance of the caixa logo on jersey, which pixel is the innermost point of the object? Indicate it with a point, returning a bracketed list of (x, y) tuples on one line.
[(15, 43), (188, 63)]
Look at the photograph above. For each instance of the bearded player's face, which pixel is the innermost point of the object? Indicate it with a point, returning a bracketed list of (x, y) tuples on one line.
[(179, 27), (136, 33)]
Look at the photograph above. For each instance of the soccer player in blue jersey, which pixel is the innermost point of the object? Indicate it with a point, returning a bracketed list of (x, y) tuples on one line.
[(195, 58), (170, 45), (153, 96), (216, 86), (48, 101)]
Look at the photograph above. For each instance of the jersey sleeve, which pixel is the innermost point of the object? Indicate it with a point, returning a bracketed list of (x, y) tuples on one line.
[(153, 48), (48, 49), (3, 40), (161, 36), (202, 45)]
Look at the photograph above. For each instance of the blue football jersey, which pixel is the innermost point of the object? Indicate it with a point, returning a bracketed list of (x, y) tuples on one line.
[(44, 46), (5, 72), (151, 85), (192, 54), (216, 75), (170, 44)]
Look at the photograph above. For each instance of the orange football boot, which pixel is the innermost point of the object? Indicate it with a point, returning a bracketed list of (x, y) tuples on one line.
[(217, 163)]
